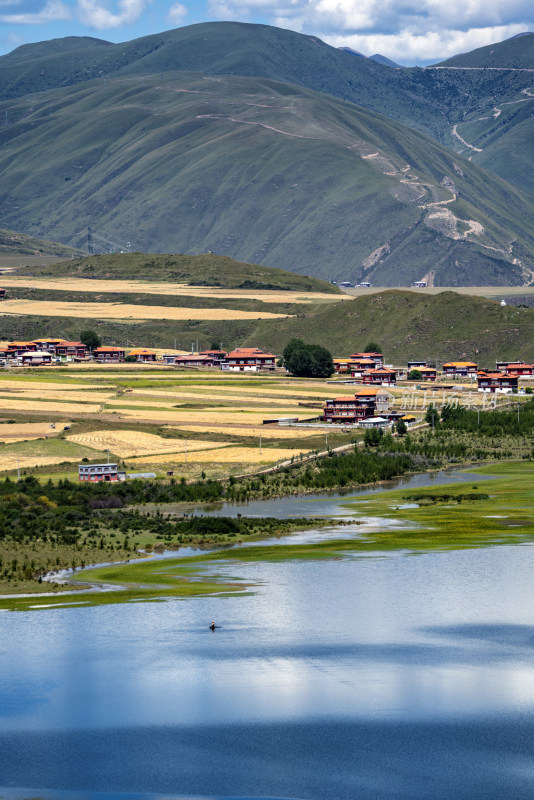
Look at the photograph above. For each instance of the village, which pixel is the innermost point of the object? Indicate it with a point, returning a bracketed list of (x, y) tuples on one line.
[(371, 405)]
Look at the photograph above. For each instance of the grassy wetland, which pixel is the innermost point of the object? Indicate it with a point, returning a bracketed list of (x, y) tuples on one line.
[(474, 514)]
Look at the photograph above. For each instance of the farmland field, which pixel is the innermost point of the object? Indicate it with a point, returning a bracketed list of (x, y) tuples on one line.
[(136, 443), (191, 422), (156, 418), (164, 288), (124, 311)]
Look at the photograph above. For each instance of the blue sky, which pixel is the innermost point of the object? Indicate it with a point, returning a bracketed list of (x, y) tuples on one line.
[(407, 31)]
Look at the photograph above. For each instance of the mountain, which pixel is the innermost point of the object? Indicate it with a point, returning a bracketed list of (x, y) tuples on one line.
[(437, 328), (445, 101), (18, 244), (206, 269), (260, 171), (387, 62), (514, 53)]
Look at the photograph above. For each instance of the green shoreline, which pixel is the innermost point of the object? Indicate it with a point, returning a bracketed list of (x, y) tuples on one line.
[(445, 517)]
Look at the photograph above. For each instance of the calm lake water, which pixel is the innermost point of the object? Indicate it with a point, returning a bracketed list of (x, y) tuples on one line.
[(375, 677)]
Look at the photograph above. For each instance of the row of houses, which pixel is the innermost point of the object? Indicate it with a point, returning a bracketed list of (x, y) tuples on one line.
[(45, 351), (243, 359)]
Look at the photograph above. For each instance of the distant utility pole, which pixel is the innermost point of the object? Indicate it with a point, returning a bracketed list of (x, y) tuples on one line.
[(90, 248)]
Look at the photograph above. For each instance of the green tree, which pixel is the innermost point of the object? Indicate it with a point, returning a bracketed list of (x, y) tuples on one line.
[(401, 427), (432, 416), (414, 375), (307, 360), (90, 339), (372, 347), (372, 437)]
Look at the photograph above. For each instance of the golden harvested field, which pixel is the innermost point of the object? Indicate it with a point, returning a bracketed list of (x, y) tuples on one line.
[(23, 431), (265, 431), (126, 444), (12, 461), (122, 404), (187, 415), (54, 386), (124, 311), (225, 455), (250, 394), (58, 395), (174, 289), (204, 395), (18, 403)]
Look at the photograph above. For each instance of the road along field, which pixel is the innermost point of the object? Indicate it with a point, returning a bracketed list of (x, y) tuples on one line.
[(162, 288), (125, 311)]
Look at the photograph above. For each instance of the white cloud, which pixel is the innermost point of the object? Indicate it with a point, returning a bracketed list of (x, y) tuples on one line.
[(97, 15), (53, 11), (405, 30), (406, 47), (176, 13)]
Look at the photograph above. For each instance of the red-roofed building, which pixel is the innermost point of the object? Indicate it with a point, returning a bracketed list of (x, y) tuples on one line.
[(377, 358), (71, 350), (361, 365), (497, 382), (366, 402), (248, 359), (47, 344), (109, 354), (518, 368), (189, 360), (216, 355), (382, 376), (428, 373), (460, 369), (143, 355), (18, 348)]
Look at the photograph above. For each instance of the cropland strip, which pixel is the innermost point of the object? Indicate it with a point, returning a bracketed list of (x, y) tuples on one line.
[(125, 444), (24, 404), (225, 455), (14, 461), (23, 431), (173, 289), (265, 431), (187, 415), (124, 311)]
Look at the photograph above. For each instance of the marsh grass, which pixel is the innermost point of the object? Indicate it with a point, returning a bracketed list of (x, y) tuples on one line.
[(471, 517)]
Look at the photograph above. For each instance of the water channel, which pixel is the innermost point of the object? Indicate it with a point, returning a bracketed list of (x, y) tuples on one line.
[(378, 677)]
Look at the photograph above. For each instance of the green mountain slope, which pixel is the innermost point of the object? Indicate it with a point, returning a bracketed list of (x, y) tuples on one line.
[(15, 244), (516, 52), (432, 100), (262, 172), (408, 325), (201, 270)]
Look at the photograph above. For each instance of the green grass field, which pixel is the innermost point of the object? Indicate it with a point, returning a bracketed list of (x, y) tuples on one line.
[(497, 512)]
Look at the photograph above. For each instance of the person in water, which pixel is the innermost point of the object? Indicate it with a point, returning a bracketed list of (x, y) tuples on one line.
[(212, 626)]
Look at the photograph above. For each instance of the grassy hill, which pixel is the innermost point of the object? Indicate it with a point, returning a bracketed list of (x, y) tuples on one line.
[(18, 244), (202, 270), (408, 325), (262, 172), (431, 100), (516, 52)]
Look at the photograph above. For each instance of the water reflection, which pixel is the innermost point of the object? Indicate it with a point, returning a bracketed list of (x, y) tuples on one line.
[(369, 678)]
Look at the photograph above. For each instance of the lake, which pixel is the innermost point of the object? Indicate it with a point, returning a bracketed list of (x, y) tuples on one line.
[(369, 677)]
